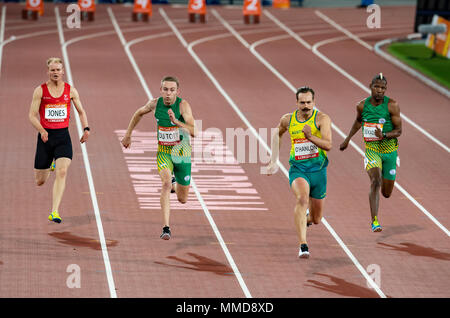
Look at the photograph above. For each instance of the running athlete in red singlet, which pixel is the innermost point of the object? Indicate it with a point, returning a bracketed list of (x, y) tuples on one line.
[(52, 103), (54, 112)]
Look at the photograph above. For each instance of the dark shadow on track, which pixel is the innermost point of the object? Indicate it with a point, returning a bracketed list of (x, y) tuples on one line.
[(202, 264), (73, 240), (417, 250), (342, 287)]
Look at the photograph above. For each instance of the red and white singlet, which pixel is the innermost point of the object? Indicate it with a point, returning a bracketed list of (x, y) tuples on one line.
[(55, 112)]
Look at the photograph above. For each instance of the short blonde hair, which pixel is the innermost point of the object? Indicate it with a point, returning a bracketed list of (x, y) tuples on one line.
[(54, 60)]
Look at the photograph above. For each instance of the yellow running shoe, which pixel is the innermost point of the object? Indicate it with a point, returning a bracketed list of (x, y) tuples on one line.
[(54, 216), (376, 227), (53, 166)]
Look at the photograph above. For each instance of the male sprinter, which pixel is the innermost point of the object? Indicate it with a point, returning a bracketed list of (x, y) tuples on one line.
[(380, 118), (310, 132), (174, 124), (51, 101)]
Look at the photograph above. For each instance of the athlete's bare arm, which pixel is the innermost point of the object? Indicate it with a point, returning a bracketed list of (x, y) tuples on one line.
[(356, 125), (137, 116), (282, 127), (324, 123), (34, 112), (81, 112), (394, 111), (186, 112)]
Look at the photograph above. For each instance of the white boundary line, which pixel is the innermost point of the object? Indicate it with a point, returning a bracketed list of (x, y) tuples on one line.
[(202, 202), (324, 221), (109, 276), (414, 201), (2, 35), (355, 81)]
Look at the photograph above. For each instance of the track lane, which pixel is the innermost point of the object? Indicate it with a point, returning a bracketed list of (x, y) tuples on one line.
[(287, 211), (35, 252), (433, 238)]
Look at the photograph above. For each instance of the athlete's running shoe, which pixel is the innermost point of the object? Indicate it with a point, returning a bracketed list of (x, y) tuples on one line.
[(303, 252), (53, 166), (165, 233), (173, 185), (54, 216), (376, 227)]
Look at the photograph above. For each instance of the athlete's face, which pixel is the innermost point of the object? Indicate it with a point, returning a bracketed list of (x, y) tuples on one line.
[(169, 92), (378, 88), (55, 71), (305, 102)]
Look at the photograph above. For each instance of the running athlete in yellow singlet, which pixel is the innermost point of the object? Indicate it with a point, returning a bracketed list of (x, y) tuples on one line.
[(310, 132), (378, 117), (175, 123)]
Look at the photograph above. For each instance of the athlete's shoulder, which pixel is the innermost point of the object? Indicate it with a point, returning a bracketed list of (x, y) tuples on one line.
[(323, 118), (393, 106), (37, 93), (286, 119), (184, 105), (392, 101)]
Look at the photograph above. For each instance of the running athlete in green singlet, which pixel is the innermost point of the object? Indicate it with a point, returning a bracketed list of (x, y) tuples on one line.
[(379, 118), (175, 123), (310, 132)]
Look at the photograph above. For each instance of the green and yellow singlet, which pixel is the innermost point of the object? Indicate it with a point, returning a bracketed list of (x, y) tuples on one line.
[(171, 139), (305, 154), (373, 116)]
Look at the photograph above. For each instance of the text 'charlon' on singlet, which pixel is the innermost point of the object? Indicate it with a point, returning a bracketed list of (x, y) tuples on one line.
[(54, 112), (377, 116), (171, 139), (305, 154)]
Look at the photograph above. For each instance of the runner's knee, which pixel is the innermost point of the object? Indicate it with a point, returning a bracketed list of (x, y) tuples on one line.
[(166, 185), (302, 201), (375, 183), (182, 200), (61, 172), (386, 193)]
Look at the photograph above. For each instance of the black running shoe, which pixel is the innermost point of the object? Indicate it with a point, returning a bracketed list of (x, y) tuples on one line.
[(173, 184), (165, 233), (303, 252)]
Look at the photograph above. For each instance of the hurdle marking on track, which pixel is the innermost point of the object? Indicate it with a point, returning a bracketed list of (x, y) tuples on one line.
[(194, 186), (108, 270)]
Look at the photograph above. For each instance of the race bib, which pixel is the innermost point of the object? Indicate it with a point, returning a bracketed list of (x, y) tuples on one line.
[(305, 149), (369, 131), (56, 112), (168, 136)]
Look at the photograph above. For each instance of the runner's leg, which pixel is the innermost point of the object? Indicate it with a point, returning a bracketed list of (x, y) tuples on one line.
[(316, 210), (166, 180), (62, 165), (301, 190), (374, 194)]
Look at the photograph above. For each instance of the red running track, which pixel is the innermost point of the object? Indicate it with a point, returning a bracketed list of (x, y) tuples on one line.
[(252, 212)]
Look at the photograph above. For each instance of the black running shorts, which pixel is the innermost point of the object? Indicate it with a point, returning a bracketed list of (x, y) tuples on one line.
[(58, 145)]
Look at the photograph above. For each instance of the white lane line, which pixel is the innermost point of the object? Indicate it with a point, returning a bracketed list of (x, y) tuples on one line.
[(344, 30), (397, 185), (324, 221), (2, 35), (194, 186), (354, 80), (109, 276)]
